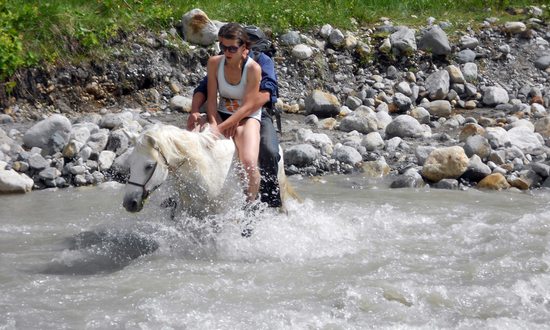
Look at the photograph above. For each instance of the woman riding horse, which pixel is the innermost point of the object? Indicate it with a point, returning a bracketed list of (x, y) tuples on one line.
[(237, 113)]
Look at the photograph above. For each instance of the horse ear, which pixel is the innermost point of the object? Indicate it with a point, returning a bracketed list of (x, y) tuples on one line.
[(151, 142), (132, 136)]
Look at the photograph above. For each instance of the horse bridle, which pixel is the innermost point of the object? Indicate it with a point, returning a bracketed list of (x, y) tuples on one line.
[(142, 185)]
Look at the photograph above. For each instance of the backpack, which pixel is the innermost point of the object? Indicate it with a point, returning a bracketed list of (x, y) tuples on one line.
[(259, 41)]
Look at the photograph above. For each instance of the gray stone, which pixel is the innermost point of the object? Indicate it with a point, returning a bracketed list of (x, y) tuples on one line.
[(543, 62), (495, 95), (50, 134), (435, 41), (403, 41), (465, 56), (404, 126), (347, 155), (301, 155), (37, 162), (437, 85), (302, 52)]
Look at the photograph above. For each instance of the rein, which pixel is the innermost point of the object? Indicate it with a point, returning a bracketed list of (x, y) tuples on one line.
[(142, 185)]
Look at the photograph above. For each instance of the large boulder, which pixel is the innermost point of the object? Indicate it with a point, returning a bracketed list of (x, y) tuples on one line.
[(50, 134), (198, 28)]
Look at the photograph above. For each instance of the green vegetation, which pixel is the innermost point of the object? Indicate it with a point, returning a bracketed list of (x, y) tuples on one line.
[(46, 31)]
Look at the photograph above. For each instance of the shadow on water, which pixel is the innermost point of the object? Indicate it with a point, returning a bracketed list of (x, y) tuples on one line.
[(99, 252)]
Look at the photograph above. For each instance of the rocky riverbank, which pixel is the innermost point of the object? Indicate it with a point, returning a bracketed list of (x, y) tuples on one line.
[(422, 106)]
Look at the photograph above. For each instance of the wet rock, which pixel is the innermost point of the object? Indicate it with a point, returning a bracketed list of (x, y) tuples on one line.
[(447, 162), (13, 182), (495, 181)]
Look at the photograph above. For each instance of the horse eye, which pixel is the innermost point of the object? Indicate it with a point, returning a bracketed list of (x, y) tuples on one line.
[(149, 166)]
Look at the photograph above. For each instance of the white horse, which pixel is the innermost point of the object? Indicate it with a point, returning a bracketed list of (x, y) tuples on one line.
[(200, 164)]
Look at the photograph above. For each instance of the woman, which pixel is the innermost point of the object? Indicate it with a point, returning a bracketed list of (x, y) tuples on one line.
[(238, 112)]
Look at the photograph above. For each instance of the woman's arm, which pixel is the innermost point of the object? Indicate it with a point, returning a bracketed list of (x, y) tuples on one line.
[(212, 88)]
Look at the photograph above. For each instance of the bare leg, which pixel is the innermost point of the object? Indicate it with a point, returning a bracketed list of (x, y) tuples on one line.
[(247, 141)]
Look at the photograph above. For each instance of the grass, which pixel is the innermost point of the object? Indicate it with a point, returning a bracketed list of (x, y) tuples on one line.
[(37, 32)]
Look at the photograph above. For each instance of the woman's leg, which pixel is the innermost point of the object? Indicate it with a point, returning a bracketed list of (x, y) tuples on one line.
[(247, 141)]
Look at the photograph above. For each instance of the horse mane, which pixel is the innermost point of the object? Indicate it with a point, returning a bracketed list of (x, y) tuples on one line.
[(177, 144)]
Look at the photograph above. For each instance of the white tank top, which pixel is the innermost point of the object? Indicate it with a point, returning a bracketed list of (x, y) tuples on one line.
[(231, 96)]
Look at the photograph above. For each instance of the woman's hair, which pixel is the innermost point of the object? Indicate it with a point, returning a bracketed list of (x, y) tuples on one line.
[(234, 31)]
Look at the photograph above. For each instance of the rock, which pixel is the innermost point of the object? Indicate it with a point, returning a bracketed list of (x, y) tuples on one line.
[(439, 108), (301, 155), (302, 52), (347, 155), (404, 126), (106, 159), (542, 126), (543, 62), (477, 145), (469, 71), (476, 170), (495, 95), (336, 38), (437, 85), (320, 141), (362, 120), (468, 42), (114, 120), (180, 103), (118, 142), (470, 129), (375, 169), (12, 182), (322, 104), (449, 184), (515, 27), (445, 163), (373, 141), (50, 134), (465, 56), (435, 41), (403, 41), (495, 181), (524, 138), (498, 137), (455, 75), (290, 38), (407, 181), (98, 141), (198, 28), (37, 162)]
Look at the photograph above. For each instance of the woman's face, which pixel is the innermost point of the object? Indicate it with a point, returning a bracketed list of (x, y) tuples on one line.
[(231, 48)]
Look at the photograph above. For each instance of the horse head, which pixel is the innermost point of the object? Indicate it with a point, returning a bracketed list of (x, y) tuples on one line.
[(148, 170)]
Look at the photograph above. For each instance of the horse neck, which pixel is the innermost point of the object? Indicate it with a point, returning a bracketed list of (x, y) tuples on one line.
[(203, 161)]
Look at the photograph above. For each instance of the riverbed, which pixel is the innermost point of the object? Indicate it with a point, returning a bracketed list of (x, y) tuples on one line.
[(354, 255)]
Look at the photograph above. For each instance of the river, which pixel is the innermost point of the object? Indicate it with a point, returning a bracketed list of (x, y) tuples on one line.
[(354, 255)]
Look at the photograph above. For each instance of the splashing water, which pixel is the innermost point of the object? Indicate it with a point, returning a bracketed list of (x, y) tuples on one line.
[(353, 255)]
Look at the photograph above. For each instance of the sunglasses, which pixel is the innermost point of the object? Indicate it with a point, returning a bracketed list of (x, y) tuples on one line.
[(231, 49)]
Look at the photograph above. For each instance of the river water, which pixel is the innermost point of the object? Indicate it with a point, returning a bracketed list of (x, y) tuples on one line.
[(354, 255)]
